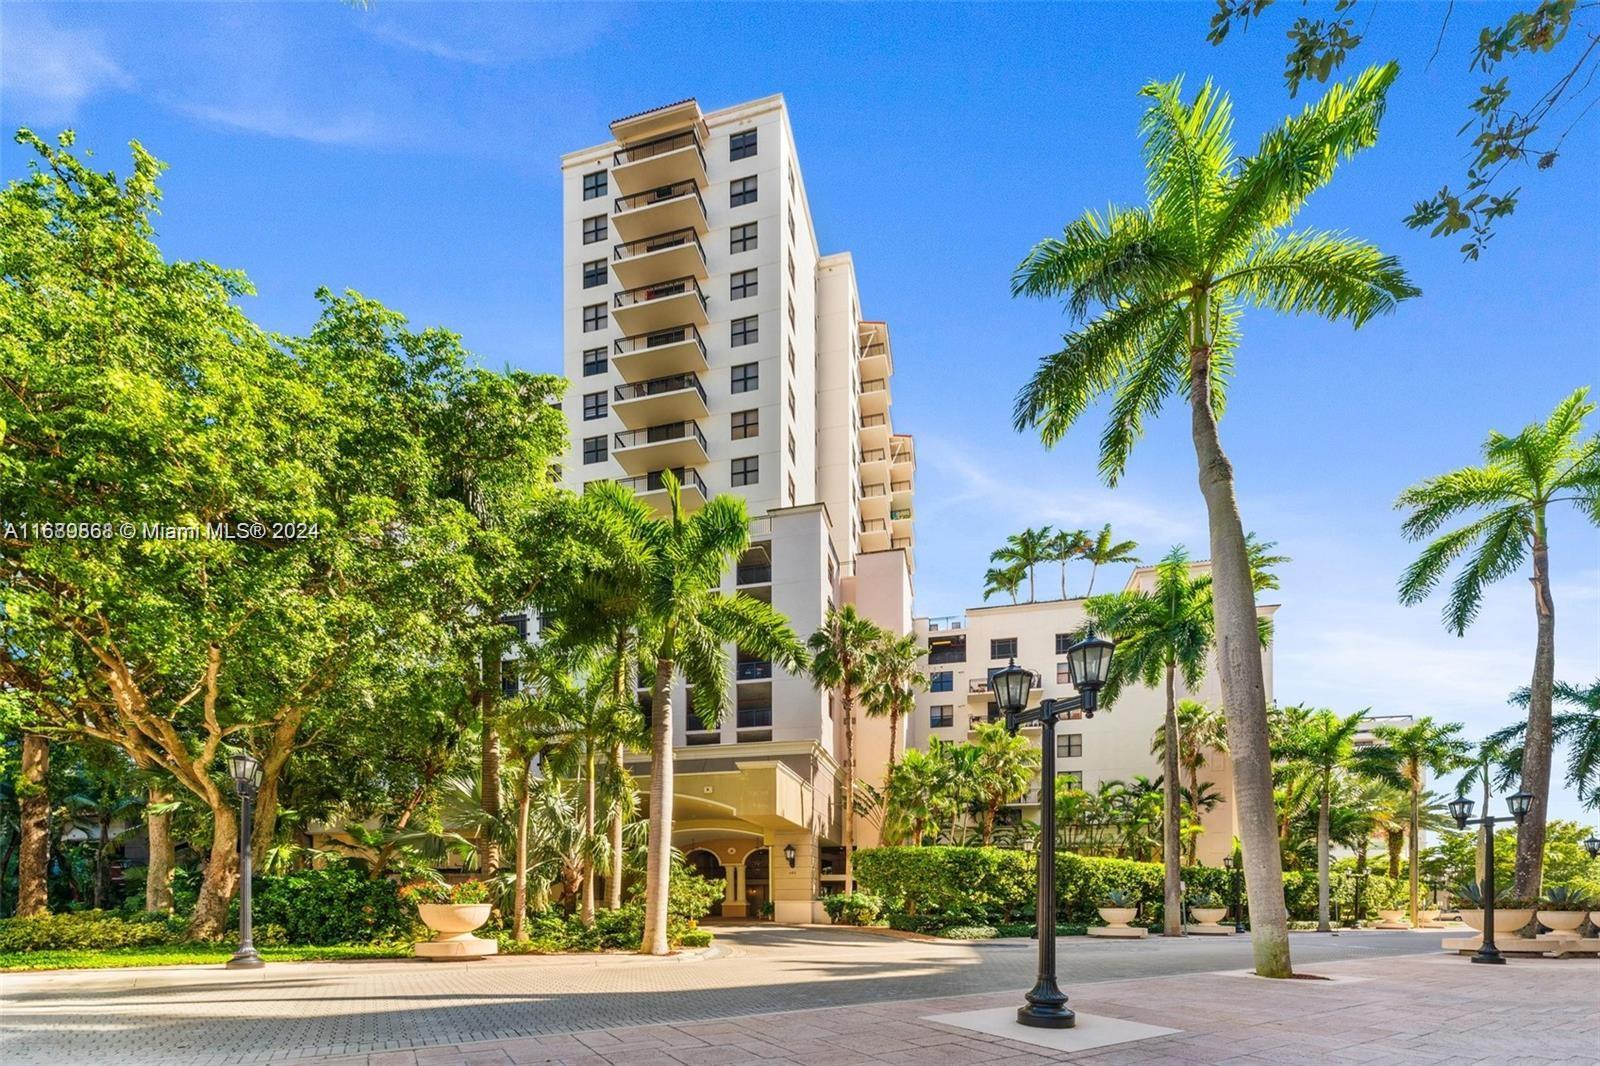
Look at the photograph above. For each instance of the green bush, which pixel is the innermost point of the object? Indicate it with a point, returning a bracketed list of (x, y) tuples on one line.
[(970, 932), (853, 908), (696, 938), (87, 931), (334, 905)]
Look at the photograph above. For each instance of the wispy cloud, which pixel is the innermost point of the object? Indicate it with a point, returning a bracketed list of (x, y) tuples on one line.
[(47, 71), (276, 120)]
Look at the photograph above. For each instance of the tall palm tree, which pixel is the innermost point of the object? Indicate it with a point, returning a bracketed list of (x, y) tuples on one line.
[(915, 797), (1165, 285), (841, 653), (1103, 551), (1201, 730), (1578, 729), (1025, 550), (1322, 747), (1405, 755), (1508, 499), (685, 559), (998, 579), (894, 673), (1064, 546), (1006, 762)]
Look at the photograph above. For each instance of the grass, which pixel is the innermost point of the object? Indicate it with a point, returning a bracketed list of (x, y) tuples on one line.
[(185, 955)]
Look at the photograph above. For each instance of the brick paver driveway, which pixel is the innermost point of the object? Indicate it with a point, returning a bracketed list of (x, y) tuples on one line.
[(210, 1015)]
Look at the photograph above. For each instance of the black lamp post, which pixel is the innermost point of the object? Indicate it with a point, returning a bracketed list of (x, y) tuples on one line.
[(1592, 846), (1233, 887), (1089, 661), (246, 771), (1461, 811), (1361, 883)]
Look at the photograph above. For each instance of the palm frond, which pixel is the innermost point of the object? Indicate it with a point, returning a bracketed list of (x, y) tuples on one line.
[(1321, 273)]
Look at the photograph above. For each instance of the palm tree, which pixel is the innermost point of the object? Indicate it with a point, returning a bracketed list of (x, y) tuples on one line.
[(1405, 755), (998, 579), (1578, 729), (1322, 747), (1508, 499), (1103, 551), (840, 659), (1169, 282), (685, 559), (1201, 729), (1006, 762), (1064, 546), (915, 797), (894, 673), (1025, 550)]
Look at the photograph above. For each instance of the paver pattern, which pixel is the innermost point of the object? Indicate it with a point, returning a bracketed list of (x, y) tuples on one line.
[(819, 996)]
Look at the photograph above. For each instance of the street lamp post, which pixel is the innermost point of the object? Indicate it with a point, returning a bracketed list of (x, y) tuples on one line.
[(1089, 661), (1233, 888), (246, 771), (1361, 882), (1592, 846), (1461, 811)]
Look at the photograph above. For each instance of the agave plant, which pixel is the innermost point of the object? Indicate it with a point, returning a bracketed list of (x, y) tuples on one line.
[(1566, 898), (1117, 897)]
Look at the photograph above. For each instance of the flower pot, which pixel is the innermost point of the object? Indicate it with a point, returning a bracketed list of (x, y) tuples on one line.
[(1117, 917), (1505, 921), (454, 923), (1209, 915), (1395, 917), (1427, 915), (1565, 923)]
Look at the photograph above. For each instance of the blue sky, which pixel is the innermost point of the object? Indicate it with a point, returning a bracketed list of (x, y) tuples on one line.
[(410, 152)]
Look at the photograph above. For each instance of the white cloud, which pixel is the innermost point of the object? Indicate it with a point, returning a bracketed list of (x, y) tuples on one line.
[(276, 120), (48, 71)]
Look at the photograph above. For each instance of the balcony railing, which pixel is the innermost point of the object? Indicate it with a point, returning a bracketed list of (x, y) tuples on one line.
[(753, 669), (901, 542), (659, 386), (659, 434), (753, 574), (981, 684), (687, 477), (874, 489), (946, 621), (651, 197), (868, 421), (660, 242), (755, 718), (873, 385), (633, 153), (874, 525), (874, 455), (659, 291), (947, 655), (641, 342), (900, 486)]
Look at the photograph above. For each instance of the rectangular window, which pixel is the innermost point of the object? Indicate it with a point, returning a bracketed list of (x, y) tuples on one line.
[(746, 471), (1063, 673), (1063, 642), (742, 191), (791, 446), (1004, 648), (594, 362), (594, 273), (791, 312), (742, 238), (746, 377), (1074, 778), (594, 317), (594, 185), (941, 716), (742, 284), (594, 406), (791, 402), (1069, 745), (791, 270), (518, 622), (746, 424), (509, 684), (942, 681), (594, 449), (595, 230), (746, 331), (742, 145)]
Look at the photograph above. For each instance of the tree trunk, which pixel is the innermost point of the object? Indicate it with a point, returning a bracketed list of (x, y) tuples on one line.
[(1394, 844), (989, 810), (587, 913), (894, 742), (847, 698), (1239, 667), (210, 918), (519, 898), (102, 865), (1171, 837), (33, 802), (1090, 590), (658, 857), (1539, 744), (620, 681), (1322, 856), (158, 876), (1416, 829), (488, 696)]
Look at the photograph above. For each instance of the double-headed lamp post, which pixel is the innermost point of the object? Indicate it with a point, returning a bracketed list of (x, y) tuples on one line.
[(246, 771), (1089, 660), (1461, 811)]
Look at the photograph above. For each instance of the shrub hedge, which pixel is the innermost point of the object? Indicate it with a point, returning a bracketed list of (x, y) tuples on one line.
[(87, 930), (334, 905)]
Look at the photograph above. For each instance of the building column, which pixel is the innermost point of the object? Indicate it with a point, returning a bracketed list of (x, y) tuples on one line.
[(734, 903), (794, 891)]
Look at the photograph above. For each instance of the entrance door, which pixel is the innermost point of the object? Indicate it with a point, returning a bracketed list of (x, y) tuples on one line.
[(706, 865), (757, 881)]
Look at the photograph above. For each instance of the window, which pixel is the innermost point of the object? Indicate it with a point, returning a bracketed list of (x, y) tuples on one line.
[(594, 185), (1063, 642), (941, 716), (1004, 648), (791, 312), (746, 330), (509, 685), (594, 449), (791, 270), (742, 145), (1063, 673), (742, 284), (594, 273), (791, 356), (942, 681), (791, 490), (594, 362), (594, 317), (518, 622), (791, 402), (747, 377), (1069, 745), (791, 223), (791, 446), (746, 471), (1074, 777), (742, 191), (594, 229), (746, 424), (742, 238), (594, 406)]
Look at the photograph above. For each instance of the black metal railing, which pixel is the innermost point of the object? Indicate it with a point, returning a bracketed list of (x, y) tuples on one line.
[(661, 386), (677, 238), (753, 669), (659, 290), (672, 142), (650, 197), (661, 338), (753, 573), (688, 477), (755, 718), (670, 431)]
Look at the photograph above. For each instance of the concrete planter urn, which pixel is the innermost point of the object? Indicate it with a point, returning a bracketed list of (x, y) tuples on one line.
[(1209, 915), (1428, 916), (1505, 921), (454, 923), (1117, 917), (1562, 923)]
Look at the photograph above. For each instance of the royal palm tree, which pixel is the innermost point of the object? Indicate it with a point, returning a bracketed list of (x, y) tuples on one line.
[(1064, 546), (894, 673), (1508, 499), (1322, 747), (1578, 729), (841, 653), (1158, 291), (1405, 755), (1006, 579), (1025, 550), (1102, 550), (1201, 730), (1006, 762)]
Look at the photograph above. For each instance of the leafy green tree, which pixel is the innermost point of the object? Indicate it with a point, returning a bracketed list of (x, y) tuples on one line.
[(1507, 501), (894, 673), (1026, 550), (1005, 765), (1322, 747), (1103, 550), (1006, 579), (841, 661), (1168, 283), (1405, 755)]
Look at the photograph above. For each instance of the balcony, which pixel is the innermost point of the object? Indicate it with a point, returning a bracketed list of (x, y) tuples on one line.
[(754, 718), (652, 355), (661, 210), (874, 344), (903, 456), (674, 398), (661, 305), (874, 535), (663, 255), (651, 488), (675, 444), (874, 396), (753, 670), (874, 431), (659, 162), (979, 686), (753, 573), (874, 467)]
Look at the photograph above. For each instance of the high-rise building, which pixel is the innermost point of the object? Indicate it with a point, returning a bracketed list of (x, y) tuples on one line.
[(705, 333)]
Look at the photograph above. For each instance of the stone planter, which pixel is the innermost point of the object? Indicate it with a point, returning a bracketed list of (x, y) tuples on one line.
[(454, 923), (1209, 915), (1505, 921), (1117, 916), (1117, 921), (1561, 923), (1393, 919)]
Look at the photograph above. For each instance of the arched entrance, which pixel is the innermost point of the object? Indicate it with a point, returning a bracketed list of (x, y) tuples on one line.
[(707, 865), (757, 881)]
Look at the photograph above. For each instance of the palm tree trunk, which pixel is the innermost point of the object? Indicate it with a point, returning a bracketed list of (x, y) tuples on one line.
[(1171, 856), (1483, 831), (847, 699), (1194, 798), (587, 914), (1323, 806), (1394, 844), (1030, 584), (519, 897), (894, 741), (488, 695), (1539, 743), (1416, 830), (1063, 579), (1238, 654), (1090, 590), (614, 876), (658, 868), (158, 876), (33, 802)]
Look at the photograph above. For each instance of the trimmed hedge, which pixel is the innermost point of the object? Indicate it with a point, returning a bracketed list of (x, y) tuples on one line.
[(334, 905), (87, 931)]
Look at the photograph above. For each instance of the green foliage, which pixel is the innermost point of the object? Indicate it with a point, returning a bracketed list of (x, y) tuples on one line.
[(948, 885), (969, 932), (1567, 898), (853, 908), (695, 938), (85, 931), (460, 893), (334, 905), (186, 954)]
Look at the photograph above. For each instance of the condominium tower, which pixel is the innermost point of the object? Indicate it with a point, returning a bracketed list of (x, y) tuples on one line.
[(705, 333)]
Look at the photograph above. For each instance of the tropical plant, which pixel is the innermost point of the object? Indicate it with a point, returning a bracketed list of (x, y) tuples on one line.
[(1006, 579), (915, 797), (1508, 499), (1578, 729), (1169, 282), (1025, 550), (1404, 755), (1321, 746), (1006, 762), (894, 673), (1103, 550), (1064, 546), (1201, 730), (841, 660)]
